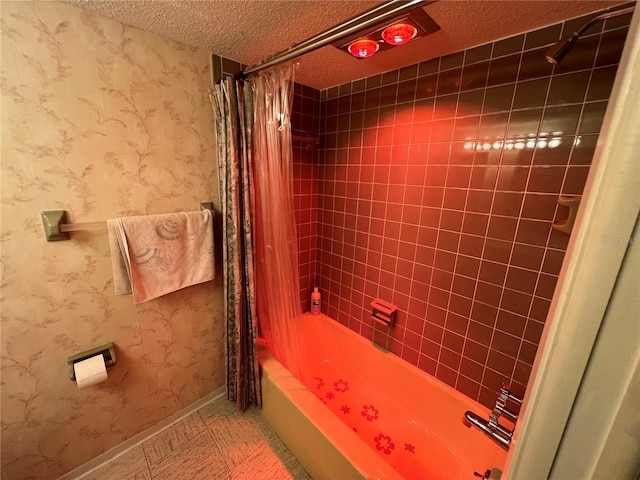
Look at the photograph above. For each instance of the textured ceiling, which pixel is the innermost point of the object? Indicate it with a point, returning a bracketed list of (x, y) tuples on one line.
[(250, 31)]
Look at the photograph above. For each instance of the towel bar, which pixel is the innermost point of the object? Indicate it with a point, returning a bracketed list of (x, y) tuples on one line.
[(56, 227)]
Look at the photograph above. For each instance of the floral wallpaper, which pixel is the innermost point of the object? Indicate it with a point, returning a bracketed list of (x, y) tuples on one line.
[(101, 120)]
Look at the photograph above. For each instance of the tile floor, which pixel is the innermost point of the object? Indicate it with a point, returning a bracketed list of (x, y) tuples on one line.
[(215, 443)]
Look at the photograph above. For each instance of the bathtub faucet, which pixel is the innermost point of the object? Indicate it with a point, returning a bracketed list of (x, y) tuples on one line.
[(492, 427)]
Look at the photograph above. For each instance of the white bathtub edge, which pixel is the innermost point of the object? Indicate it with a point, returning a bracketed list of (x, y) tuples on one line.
[(327, 449)]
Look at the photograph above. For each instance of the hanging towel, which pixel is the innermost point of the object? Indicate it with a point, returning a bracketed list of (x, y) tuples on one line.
[(157, 254)]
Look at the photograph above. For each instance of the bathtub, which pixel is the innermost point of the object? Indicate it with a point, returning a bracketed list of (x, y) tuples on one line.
[(370, 414)]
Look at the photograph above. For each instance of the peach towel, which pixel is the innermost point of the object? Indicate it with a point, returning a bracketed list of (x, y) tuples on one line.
[(157, 254)]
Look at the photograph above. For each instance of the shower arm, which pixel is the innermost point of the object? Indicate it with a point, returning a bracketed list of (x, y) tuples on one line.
[(614, 12), (373, 16), (557, 52)]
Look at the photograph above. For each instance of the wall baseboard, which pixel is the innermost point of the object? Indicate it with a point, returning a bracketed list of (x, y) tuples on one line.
[(141, 437)]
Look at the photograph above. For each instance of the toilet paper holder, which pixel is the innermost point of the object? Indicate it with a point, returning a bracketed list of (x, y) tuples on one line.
[(106, 350)]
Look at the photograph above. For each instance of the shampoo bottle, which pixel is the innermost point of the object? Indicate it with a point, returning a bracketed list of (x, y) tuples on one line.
[(315, 301)]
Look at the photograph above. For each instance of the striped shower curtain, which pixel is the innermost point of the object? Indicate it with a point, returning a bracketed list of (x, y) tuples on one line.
[(232, 106)]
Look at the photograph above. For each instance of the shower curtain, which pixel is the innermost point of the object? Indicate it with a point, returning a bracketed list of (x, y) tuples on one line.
[(232, 108), (277, 277), (253, 126)]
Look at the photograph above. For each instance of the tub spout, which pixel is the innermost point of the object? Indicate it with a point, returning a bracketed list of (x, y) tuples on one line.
[(494, 431), (465, 420)]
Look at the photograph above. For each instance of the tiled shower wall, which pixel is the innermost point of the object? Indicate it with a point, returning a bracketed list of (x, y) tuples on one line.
[(306, 124), (438, 185)]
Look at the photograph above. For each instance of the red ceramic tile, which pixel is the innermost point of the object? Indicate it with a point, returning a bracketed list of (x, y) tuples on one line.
[(470, 103), (439, 154), (492, 272), (431, 202), (505, 343), (516, 302), (534, 65), (498, 99), (507, 204), (463, 286), (475, 223), (483, 177), (533, 331), (467, 266), (451, 220), (454, 199), (488, 293), (426, 86), (493, 126), (446, 375), (561, 120), (423, 110), (524, 123), (521, 280), (450, 358), (444, 260), (479, 201), (569, 88), (476, 352), (531, 93), (503, 70), (512, 179), (529, 257), (445, 107), (474, 76), (468, 387), (610, 48), (442, 130), (527, 352), (511, 323), (539, 207), (553, 261), (500, 363), (521, 375), (546, 286), (460, 305), (502, 228), (458, 176), (466, 128), (592, 117), (601, 83), (449, 81), (480, 333), (546, 179)]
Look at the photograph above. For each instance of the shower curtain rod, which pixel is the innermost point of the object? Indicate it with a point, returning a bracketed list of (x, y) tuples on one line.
[(362, 21)]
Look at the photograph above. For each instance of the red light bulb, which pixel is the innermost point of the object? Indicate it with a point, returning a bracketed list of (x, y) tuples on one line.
[(363, 48), (399, 33)]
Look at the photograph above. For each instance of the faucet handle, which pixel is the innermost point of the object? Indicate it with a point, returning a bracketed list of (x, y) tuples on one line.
[(505, 394), (486, 475)]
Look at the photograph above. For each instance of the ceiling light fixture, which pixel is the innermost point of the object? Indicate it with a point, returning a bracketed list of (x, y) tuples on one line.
[(399, 33), (388, 34), (363, 48)]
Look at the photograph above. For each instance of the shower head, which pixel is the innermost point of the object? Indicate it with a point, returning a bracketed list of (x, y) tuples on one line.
[(558, 51)]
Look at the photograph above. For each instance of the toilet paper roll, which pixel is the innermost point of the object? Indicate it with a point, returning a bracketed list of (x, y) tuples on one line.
[(90, 371)]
